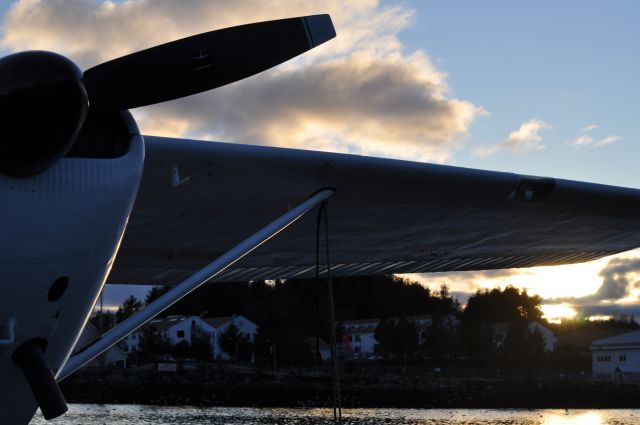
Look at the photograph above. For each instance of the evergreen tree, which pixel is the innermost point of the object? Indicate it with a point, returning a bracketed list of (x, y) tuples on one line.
[(439, 341), (407, 338), (496, 305), (234, 344), (103, 321), (384, 336), (181, 350), (155, 292), (152, 345), (129, 307), (201, 348)]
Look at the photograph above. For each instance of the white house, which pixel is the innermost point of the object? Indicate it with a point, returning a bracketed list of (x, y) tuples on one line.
[(616, 358), (176, 329), (500, 331), (359, 334), (220, 324)]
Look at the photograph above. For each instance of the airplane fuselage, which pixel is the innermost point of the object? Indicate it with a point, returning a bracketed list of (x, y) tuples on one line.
[(60, 233)]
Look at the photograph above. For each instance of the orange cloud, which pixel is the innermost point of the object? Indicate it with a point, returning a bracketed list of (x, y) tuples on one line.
[(360, 93)]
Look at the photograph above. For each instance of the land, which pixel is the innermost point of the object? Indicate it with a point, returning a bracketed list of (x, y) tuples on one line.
[(240, 386)]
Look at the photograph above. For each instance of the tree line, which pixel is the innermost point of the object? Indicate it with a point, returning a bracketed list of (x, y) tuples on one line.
[(291, 313)]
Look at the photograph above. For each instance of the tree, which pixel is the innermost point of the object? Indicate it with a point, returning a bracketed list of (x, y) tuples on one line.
[(407, 338), (515, 347), (129, 307), (384, 337), (396, 338), (201, 348), (235, 344), (103, 320), (536, 348), (153, 345), (496, 305), (154, 293), (181, 350), (439, 339)]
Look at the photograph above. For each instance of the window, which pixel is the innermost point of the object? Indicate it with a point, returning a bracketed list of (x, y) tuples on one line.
[(623, 358), (180, 334), (357, 338), (350, 338)]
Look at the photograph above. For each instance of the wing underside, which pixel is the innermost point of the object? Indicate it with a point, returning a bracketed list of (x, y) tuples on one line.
[(197, 199)]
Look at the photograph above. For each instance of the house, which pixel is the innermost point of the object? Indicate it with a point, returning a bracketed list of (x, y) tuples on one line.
[(359, 334), (174, 329), (220, 324), (114, 356), (179, 328), (616, 358), (500, 331)]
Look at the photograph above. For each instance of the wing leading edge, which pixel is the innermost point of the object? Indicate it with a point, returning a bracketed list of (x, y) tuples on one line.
[(197, 199)]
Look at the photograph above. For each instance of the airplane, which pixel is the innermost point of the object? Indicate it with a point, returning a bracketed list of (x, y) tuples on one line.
[(75, 172)]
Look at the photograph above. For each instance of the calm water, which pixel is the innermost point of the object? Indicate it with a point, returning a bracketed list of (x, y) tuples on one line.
[(87, 414)]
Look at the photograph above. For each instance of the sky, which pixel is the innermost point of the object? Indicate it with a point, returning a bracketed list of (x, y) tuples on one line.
[(544, 88)]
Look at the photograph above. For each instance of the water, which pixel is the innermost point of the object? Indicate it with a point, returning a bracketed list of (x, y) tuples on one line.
[(93, 414)]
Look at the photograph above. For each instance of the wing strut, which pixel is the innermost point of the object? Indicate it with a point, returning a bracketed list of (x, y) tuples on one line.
[(134, 322)]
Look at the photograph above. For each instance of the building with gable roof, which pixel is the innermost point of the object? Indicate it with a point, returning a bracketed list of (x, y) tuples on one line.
[(500, 331), (359, 335), (179, 328), (616, 358)]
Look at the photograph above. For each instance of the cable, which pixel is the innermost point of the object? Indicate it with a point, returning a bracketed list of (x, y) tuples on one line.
[(336, 398)]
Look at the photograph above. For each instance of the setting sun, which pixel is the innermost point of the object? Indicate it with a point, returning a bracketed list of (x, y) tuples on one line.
[(554, 313)]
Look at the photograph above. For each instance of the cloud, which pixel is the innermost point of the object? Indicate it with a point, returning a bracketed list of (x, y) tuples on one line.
[(525, 139), (618, 294), (619, 277), (586, 140), (589, 128), (360, 93), (463, 284)]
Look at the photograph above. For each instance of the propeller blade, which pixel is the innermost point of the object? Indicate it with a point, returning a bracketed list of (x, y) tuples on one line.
[(202, 62)]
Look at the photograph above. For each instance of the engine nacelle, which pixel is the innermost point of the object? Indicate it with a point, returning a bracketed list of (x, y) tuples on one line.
[(43, 105)]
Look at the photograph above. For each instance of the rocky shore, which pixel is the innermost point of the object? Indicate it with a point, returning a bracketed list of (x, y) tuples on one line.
[(242, 388)]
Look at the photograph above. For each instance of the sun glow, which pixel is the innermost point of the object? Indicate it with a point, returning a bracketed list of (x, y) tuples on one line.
[(587, 418), (554, 313)]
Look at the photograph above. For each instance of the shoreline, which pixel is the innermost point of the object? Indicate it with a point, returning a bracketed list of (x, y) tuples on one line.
[(358, 391)]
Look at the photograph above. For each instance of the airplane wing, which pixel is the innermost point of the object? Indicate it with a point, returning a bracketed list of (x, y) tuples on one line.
[(197, 199)]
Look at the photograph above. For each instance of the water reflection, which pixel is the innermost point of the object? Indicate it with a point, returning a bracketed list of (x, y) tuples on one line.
[(151, 415)]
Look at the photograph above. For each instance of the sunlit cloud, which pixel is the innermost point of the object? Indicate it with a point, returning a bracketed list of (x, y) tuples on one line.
[(586, 140), (361, 93), (620, 278), (525, 139), (608, 287)]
